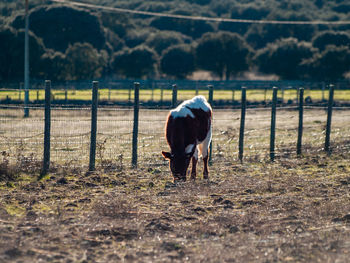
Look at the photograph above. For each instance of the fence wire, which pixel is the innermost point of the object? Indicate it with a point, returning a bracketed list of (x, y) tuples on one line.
[(70, 134)]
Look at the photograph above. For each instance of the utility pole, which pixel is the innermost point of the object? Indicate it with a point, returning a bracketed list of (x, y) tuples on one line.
[(26, 62)]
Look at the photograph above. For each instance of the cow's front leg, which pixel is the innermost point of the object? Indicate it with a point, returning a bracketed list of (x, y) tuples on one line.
[(205, 169), (194, 164), (205, 161)]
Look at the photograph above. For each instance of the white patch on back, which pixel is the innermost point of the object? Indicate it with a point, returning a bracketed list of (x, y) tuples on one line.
[(198, 102), (189, 148)]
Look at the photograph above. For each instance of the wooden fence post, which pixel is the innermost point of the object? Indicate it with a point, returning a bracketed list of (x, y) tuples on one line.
[(136, 125), (174, 97), (47, 129), (329, 119), (273, 123), (300, 127), (210, 100), (241, 129), (94, 105)]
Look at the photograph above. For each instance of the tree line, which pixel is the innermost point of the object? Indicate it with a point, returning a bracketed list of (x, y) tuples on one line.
[(76, 44)]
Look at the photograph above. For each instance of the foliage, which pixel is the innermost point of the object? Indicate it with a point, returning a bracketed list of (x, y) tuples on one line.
[(135, 63), (329, 65), (192, 28), (61, 26), (12, 55), (283, 57), (223, 53), (136, 37), (178, 61), (161, 40), (323, 39), (84, 62), (244, 12)]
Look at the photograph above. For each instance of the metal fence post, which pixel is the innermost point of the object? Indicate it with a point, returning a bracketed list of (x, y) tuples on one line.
[(65, 94), (329, 119), (136, 125), (47, 129), (20, 91), (94, 105), (241, 129), (174, 97), (300, 127), (161, 95), (273, 123), (210, 100)]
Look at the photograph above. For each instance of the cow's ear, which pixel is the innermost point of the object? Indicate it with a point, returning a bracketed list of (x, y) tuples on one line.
[(166, 155)]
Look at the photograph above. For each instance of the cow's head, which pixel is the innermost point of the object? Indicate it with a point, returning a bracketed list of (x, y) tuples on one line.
[(179, 163)]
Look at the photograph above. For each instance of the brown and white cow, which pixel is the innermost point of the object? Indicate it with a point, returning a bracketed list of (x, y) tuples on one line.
[(188, 133)]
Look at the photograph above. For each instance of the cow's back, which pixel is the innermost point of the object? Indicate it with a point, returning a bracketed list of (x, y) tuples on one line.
[(189, 123)]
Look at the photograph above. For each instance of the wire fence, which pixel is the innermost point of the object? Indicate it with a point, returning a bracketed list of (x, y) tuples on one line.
[(23, 138)]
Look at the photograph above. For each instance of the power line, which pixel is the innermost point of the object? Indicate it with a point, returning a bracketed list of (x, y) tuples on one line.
[(200, 18)]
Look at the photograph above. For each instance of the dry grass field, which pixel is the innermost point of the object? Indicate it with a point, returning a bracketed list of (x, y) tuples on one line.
[(292, 210)]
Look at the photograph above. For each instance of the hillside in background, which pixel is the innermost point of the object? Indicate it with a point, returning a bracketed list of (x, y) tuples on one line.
[(71, 43)]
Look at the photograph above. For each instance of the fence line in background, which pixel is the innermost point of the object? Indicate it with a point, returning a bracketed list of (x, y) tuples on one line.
[(135, 132)]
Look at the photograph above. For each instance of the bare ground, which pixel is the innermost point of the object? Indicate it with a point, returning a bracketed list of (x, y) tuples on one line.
[(293, 210)]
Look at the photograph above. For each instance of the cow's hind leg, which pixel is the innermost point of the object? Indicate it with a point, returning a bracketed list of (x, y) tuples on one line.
[(194, 164), (204, 148)]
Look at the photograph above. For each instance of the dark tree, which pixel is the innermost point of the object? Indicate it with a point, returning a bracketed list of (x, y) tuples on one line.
[(136, 37), (259, 35), (193, 28), (118, 23), (250, 12), (178, 61), (114, 41), (12, 55), (283, 58), (84, 62), (61, 26), (323, 39), (223, 53), (135, 63), (330, 65), (56, 66), (163, 39)]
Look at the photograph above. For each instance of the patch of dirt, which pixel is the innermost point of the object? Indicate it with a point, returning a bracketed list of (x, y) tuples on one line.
[(293, 210)]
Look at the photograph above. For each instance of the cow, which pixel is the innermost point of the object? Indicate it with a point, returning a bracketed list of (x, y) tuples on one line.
[(188, 131)]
